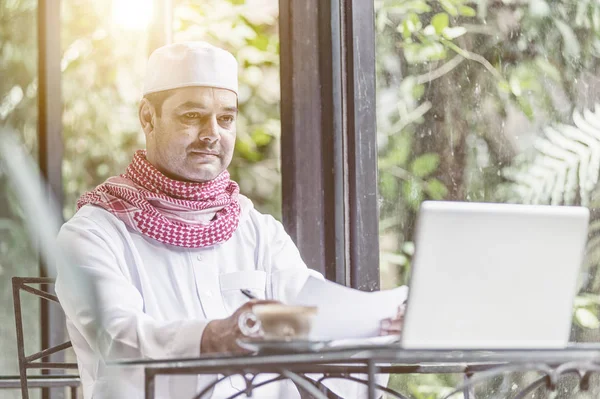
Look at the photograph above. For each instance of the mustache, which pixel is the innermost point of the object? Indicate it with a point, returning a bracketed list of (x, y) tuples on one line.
[(206, 149)]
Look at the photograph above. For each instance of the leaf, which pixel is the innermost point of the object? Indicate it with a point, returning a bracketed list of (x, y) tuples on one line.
[(571, 47), (408, 248), (412, 193), (388, 186), (425, 164), (403, 149), (548, 69), (429, 31), (454, 32), (467, 11), (436, 189), (418, 6), (526, 107), (503, 86), (418, 53), (418, 91), (539, 8), (399, 154), (394, 258), (581, 19), (261, 138), (515, 85), (449, 7), (586, 299), (412, 23), (440, 22), (587, 318)]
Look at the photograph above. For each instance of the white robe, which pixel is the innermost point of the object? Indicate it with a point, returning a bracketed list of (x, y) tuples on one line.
[(155, 299)]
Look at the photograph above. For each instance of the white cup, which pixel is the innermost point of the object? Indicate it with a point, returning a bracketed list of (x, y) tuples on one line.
[(278, 321)]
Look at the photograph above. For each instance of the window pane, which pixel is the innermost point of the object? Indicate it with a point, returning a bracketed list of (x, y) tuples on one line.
[(18, 110), (104, 55), (477, 99)]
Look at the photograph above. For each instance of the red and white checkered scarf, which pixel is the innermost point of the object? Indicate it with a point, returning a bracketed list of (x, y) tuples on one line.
[(165, 209)]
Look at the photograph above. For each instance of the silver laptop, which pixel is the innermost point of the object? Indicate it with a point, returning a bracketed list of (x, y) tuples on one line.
[(494, 276)]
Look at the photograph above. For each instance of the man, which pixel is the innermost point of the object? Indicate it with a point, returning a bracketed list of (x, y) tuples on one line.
[(168, 245)]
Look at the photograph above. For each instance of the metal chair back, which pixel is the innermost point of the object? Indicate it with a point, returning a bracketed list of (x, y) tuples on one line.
[(36, 360)]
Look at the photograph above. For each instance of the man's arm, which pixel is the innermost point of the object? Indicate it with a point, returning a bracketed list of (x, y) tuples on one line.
[(114, 323)]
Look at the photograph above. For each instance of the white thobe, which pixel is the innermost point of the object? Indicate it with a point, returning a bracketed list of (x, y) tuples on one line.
[(154, 300)]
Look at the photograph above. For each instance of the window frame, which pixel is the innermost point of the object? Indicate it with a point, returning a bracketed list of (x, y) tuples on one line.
[(328, 140), (50, 156)]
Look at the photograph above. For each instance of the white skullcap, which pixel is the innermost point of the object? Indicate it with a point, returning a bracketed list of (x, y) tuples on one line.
[(190, 64)]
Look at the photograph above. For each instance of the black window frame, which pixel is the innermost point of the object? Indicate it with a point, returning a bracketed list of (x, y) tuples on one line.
[(328, 137)]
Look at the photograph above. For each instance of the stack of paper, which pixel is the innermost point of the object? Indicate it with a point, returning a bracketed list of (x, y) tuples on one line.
[(346, 313)]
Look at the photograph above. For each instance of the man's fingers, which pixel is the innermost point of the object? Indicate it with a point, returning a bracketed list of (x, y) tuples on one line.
[(390, 325), (393, 325), (251, 303), (399, 316)]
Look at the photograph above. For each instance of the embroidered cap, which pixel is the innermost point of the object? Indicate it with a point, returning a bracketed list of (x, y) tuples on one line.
[(190, 64)]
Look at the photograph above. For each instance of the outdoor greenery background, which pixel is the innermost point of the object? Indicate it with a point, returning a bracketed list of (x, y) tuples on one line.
[(466, 91)]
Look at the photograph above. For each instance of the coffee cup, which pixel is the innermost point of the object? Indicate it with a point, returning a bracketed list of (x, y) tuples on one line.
[(278, 321)]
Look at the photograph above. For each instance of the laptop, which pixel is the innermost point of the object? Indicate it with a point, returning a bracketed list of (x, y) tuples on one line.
[(494, 276)]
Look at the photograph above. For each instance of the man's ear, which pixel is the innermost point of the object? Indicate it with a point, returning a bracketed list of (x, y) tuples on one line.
[(147, 115)]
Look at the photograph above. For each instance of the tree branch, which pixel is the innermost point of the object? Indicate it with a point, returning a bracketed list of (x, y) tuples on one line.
[(474, 57), (415, 114), (441, 71)]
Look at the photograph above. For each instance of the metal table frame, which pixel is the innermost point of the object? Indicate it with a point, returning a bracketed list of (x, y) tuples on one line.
[(476, 365)]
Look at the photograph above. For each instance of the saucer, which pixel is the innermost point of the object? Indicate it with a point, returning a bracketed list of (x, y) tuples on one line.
[(263, 345)]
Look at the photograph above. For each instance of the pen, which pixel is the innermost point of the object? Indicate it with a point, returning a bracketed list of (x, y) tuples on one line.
[(248, 293)]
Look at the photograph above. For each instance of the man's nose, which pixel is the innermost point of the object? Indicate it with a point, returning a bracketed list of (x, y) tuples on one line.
[(209, 132)]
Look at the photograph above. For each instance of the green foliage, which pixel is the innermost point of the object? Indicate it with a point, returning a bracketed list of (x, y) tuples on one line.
[(425, 165), (18, 99), (446, 53), (463, 89), (586, 311)]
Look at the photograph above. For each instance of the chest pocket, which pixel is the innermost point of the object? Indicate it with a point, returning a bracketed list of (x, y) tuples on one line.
[(231, 283)]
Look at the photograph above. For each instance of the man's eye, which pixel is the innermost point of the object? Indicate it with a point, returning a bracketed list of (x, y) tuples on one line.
[(191, 115), (227, 119)]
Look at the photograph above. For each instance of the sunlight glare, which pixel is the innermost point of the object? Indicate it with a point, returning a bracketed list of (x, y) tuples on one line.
[(132, 14)]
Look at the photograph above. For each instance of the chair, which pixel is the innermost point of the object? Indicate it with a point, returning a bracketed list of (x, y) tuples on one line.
[(30, 362)]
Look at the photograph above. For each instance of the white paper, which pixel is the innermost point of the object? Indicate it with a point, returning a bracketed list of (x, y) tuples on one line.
[(346, 313)]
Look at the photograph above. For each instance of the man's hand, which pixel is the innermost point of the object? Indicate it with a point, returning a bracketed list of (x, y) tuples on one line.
[(220, 336), (393, 326)]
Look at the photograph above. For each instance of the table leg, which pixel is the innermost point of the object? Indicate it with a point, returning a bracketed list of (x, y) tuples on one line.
[(371, 377), (468, 391), (149, 377)]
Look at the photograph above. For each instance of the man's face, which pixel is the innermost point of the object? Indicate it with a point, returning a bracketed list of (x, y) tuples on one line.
[(194, 137)]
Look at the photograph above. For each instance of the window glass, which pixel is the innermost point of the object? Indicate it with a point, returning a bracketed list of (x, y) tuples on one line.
[(18, 111), (105, 46), (492, 101)]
